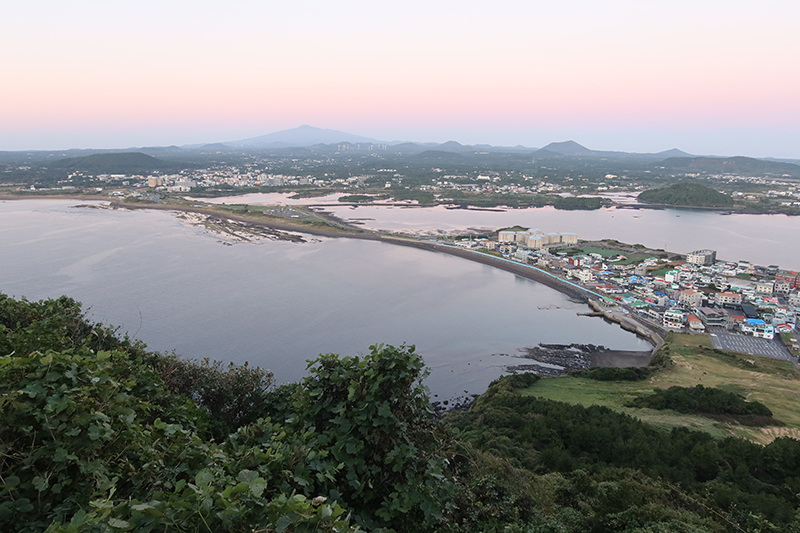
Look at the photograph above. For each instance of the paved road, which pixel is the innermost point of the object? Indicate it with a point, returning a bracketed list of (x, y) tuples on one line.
[(735, 342)]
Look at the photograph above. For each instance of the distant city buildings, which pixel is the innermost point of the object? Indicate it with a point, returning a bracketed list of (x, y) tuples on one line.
[(535, 239)]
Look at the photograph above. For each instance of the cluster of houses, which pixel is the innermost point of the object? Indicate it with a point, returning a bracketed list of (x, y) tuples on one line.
[(226, 176), (693, 295)]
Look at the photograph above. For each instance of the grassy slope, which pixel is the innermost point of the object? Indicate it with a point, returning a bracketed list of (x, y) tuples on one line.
[(774, 383)]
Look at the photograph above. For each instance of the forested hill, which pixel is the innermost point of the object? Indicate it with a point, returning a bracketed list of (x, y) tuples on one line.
[(99, 434), (116, 163), (743, 166), (686, 194)]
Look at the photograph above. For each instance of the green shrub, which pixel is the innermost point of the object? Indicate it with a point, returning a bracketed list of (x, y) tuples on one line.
[(701, 400), (613, 374), (234, 395), (374, 417)]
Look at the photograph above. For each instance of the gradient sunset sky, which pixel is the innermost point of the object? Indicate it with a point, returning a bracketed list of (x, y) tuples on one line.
[(705, 76)]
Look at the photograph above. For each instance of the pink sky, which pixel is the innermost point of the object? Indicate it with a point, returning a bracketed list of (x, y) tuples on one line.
[(708, 77)]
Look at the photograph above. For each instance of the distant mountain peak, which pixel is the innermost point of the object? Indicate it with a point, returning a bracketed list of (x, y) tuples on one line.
[(567, 148), (674, 152), (301, 136), (454, 146)]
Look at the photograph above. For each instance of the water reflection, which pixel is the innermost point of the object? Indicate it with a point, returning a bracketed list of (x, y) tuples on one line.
[(277, 304)]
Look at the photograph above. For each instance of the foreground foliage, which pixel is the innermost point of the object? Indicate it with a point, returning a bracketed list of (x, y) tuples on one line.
[(98, 434), (98, 439)]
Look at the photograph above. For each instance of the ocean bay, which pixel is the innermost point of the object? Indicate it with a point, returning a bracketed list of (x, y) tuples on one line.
[(277, 304)]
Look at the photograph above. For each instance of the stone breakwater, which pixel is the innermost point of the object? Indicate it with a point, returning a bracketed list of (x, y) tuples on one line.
[(557, 359)]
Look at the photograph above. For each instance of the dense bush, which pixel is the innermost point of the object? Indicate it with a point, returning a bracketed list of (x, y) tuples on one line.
[(80, 423), (55, 324), (613, 374), (93, 440), (374, 416), (233, 395), (701, 400)]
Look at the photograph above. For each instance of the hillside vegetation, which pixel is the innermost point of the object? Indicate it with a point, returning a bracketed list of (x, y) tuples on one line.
[(686, 194), (743, 166), (99, 434), (693, 361), (116, 163)]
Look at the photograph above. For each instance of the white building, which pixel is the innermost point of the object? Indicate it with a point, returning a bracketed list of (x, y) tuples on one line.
[(674, 319), (765, 287), (691, 298), (585, 275), (729, 298), (702, 257), (535, 239)]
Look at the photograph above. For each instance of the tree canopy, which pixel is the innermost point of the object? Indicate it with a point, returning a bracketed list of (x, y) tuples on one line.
[(686, 194)]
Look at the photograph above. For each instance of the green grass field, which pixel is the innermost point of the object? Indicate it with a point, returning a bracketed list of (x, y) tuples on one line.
[(605, 252), (774, 383), (630, 257)]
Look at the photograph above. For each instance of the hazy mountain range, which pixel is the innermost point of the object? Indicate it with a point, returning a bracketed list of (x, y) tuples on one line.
[(299, 137), (306, 136), (308, 139)]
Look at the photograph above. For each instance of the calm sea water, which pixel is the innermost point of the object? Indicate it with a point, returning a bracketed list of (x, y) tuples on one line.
[(277, 304), (762, 239)]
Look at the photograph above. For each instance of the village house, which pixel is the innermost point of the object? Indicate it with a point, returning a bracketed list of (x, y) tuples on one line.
[(714, 317), (585, 275), (695, 324), (783, 287), (729, 298), (765, 287), (674, 319), (691, 298)]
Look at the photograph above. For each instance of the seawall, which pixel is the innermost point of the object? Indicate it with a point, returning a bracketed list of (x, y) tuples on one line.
[(628, 323)]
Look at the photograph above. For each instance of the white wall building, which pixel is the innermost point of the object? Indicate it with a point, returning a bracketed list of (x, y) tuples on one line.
[(702, 257)]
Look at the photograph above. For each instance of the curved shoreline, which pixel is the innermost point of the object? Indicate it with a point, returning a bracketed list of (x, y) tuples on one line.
[(525, 271)]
